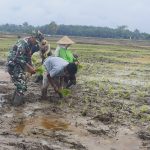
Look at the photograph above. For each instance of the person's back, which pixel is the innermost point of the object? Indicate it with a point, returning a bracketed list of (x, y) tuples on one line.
[(56, 69), (66, 54), (62, 51), (54, 65)]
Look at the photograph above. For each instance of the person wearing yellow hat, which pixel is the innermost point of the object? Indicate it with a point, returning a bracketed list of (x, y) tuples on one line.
[(63, 52)]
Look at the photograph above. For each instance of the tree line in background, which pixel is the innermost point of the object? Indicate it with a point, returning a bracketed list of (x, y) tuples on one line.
[(121, 32)]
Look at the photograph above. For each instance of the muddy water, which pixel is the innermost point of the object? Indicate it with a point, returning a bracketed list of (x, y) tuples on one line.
[(54, 124), (42, 122)]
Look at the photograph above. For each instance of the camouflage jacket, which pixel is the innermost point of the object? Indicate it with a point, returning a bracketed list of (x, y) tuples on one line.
[(20, 53)]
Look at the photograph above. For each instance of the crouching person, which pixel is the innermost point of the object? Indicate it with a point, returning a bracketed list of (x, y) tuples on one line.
[(56, 69)]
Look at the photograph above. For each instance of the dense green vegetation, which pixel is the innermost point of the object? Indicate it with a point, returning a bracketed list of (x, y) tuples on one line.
[(76, 30)]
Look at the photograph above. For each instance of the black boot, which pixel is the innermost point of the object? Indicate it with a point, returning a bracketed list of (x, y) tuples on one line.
[(38, 78), (13, 96), (18, 99)]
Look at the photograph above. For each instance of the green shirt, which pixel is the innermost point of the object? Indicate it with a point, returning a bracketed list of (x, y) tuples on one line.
[(66, 54)]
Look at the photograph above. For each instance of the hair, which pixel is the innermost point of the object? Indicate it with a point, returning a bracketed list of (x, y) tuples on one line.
[(71, 68)]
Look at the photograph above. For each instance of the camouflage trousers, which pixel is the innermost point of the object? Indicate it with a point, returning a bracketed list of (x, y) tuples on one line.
[(18, 78)]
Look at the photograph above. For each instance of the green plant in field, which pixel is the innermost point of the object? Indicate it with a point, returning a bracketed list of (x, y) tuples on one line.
[(126, 95), (101, 87), (110, 90), (144, 108), (145, 118), (141, 93), (133, 74), (65, 92), (134, 110), (120, 92), (140, 113)]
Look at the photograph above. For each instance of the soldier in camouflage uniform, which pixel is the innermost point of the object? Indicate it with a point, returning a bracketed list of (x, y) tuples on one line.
[(19, 60)]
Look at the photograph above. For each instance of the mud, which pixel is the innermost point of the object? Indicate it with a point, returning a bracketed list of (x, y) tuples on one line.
[(59, 124)]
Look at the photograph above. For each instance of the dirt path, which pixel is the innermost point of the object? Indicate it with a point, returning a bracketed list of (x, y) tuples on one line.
[(57, 124)]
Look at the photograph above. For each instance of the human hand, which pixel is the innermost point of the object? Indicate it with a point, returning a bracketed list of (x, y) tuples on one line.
[(58, 91), (30, 69)]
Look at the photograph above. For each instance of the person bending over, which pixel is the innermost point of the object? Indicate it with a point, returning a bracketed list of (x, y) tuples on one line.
[(56, 69)]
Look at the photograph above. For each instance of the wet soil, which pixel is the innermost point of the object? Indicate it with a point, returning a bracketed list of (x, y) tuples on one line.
[(61, 124)]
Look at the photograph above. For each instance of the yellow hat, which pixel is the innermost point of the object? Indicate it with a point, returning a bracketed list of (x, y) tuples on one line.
[(65, 40)]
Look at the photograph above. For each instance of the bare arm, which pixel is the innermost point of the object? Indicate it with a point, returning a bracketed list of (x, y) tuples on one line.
[(61, 82), (52, 82), (30, 69), (56, 87)]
